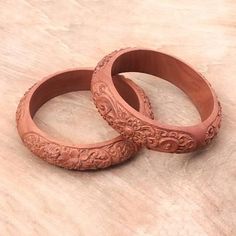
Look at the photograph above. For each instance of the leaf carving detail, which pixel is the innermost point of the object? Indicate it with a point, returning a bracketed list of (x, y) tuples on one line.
[(136, 130), (79, 158)]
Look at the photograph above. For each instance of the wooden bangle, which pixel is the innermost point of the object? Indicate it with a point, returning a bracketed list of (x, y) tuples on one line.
[(135, 126), (79, 157)]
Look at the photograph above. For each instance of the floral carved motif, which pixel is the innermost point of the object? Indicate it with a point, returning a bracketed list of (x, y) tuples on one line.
[(213, 129), (142, 132), (106, 59), (79, 158), (20, 108), (136, 130)]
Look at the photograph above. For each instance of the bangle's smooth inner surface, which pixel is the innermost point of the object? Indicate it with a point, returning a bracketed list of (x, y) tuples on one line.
[(172, 70), (75, 81)]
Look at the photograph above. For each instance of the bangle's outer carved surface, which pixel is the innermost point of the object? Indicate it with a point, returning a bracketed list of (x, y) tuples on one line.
[(77, 157), (142, 130), (137, 130)]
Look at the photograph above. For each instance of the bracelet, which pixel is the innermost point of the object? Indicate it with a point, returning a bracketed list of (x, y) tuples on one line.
[(133, 125), (79, 157)]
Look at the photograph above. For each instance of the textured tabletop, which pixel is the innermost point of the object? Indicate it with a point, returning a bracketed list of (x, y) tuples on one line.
[(154, 193)]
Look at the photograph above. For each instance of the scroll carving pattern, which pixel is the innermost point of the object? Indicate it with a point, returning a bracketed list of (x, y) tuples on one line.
[(75, 157), (139, 131), (136, 130), (20, 108), (136, 133), (213, 129), (79, 158)]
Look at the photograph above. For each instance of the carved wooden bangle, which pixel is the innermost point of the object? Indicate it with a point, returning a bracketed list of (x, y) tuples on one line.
[(142, 130), (79, 157)]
